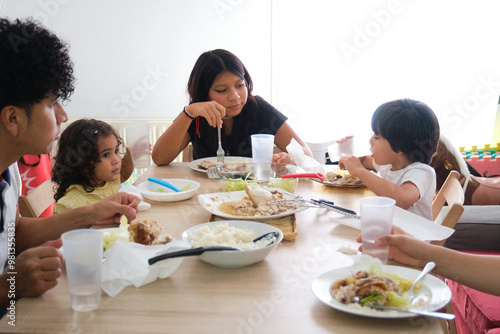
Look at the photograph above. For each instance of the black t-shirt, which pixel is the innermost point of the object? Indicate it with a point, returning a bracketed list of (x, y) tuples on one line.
[(269, 120)]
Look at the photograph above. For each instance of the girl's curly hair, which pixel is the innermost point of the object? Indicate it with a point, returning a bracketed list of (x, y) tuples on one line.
[(33, 63), (77, 154)]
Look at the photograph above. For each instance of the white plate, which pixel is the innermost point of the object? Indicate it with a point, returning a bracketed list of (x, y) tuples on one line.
[(433, 288), (194, 164), (147, 189), (211, 203)]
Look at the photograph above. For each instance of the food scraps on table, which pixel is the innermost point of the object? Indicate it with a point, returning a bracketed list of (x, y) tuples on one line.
[(368, 287)]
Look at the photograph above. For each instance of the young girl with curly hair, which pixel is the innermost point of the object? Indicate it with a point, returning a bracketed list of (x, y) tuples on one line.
[(88, 166)]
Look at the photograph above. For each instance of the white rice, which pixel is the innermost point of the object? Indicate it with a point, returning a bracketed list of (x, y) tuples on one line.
[(225, 235)]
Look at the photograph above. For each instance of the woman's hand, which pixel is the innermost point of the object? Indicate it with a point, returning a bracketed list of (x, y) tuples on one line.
[(210, 110), (404, 248)]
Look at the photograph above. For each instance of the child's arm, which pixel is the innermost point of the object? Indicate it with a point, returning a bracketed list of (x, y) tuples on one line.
[(127, 166), (367, 162), (405, 195)]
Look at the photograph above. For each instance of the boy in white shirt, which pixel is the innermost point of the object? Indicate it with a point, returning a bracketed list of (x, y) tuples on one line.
[(406, 134)]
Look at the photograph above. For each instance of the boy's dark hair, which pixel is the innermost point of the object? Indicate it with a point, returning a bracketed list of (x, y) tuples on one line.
[(33, 63), (77, 154), (410, 127)]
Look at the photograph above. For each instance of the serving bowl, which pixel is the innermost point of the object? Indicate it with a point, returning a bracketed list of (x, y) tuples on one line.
[(237, 259), (234, 176), (157, 192)]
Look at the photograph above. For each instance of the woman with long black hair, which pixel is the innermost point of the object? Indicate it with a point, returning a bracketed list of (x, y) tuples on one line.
[(220, 90)]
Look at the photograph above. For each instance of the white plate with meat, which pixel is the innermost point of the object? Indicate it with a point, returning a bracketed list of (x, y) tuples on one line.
[(237, 205), (201, 165), (433, 294)]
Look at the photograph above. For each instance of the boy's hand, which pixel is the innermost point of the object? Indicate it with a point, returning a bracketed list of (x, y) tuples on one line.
[(352, 164)]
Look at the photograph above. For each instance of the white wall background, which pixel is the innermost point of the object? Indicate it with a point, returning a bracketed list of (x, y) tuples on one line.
[(326, 64)]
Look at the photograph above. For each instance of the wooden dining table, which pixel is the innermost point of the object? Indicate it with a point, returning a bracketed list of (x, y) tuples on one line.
[(272, 296)]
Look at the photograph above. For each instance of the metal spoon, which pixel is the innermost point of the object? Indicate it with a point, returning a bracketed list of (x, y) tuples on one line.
[(428, 267), (273, 236)]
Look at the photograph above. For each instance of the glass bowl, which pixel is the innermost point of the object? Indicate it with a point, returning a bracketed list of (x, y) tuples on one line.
[(234, 176)]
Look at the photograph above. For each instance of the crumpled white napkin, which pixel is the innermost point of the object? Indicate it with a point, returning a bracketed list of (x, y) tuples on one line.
[(131, 189), (127, 264), (365, 259), (301, 159)]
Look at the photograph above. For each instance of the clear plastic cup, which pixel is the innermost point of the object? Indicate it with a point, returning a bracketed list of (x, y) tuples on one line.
[(262, 148), (83, 259), (376, 221), (262, 155), (137, 139)]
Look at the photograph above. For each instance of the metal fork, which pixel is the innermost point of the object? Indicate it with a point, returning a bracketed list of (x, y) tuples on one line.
[(220, 151), (440, 315)]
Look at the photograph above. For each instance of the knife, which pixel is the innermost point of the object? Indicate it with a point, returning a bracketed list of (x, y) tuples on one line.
[(329, 205)]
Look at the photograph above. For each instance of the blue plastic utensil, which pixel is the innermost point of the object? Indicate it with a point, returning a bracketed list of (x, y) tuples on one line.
[(164, 183)]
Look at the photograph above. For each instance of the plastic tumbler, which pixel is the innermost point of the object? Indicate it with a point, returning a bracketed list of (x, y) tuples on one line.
[(83, 258), (137, 139), (262, 148), (262, 155), (376, 221)]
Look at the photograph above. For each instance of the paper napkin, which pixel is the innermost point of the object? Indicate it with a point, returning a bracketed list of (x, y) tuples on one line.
[(357, 146), (126, 263), (365, 259), (301, 159), (131, 189), (411, 223)]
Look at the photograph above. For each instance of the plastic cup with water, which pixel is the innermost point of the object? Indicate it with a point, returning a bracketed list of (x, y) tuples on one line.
[(137, 139), (376, 221), (83, 259), (262, 155)]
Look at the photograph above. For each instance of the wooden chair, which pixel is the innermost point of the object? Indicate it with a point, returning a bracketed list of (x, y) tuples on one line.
[(451, 193), (37, 201), (187, 153)]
